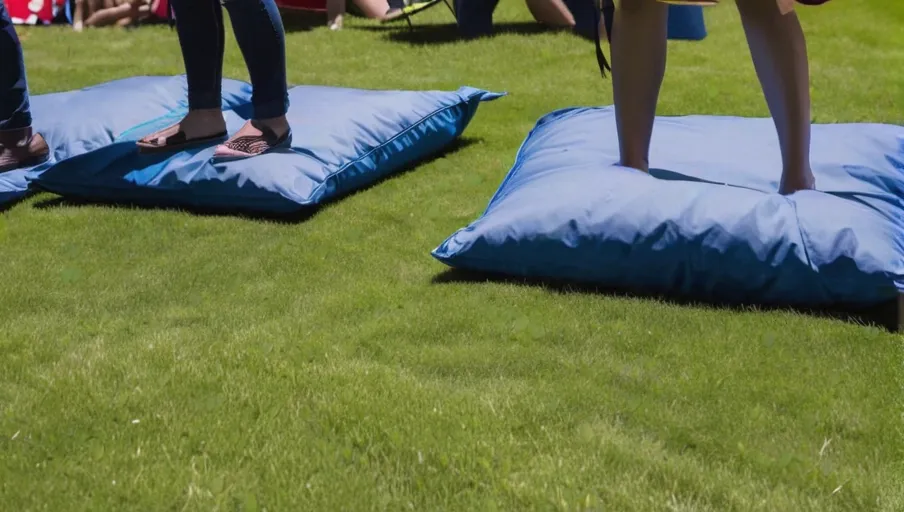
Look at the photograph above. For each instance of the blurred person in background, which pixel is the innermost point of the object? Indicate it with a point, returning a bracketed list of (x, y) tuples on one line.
[(122, 13)]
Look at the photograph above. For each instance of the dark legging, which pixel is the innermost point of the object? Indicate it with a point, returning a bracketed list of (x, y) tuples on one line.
[(14, 108), (259, 32)]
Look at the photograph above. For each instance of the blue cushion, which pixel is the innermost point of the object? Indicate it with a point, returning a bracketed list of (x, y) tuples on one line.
[(13, 186), (80, 121), (343, 139), (686, 22), (475, 18), (708, 223)]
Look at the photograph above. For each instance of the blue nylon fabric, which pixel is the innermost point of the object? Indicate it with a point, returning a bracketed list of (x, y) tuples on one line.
[(80, 121), (687, 22), (707, 224), (343, 139)]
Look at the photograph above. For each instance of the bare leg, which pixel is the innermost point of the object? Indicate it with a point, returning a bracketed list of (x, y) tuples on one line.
[(78, 16), (335, 9), (83, 10), (639, 33), (373, 9), (553, 13), (779, 52), (109, 16), (139, 11)]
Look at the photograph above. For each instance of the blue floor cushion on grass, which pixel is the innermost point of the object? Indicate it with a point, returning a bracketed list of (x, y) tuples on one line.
[(343, 139), (80, 121), (708, 224), (13, 186)]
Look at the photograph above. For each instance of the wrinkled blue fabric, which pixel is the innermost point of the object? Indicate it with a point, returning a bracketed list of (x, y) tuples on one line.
[(81, 121), (343, 139), (708, 223)]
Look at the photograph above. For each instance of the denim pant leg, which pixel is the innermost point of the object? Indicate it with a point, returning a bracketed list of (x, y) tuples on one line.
[(475, 17), (14, 107), (199, 24), (259, 32), (585, 16)]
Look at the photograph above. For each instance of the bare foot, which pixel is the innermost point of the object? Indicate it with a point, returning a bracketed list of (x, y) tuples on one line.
[(796, 181), (254, 138), (197, 125), (336, 23)]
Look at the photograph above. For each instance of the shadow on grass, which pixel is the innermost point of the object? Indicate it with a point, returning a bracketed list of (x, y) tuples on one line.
[(8, 201), (298, 20), (303, 214), (301, 20), (449, 33), (885, 316), (7, 206)]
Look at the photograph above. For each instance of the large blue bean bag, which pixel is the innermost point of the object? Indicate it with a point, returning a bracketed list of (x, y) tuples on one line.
[(80, 121), (686, 22), (708, 224), (343, 140), (13, 186)]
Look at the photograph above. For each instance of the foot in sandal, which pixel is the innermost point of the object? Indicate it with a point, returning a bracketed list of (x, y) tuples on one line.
[(21, 148), (256, 137), (199, 127)]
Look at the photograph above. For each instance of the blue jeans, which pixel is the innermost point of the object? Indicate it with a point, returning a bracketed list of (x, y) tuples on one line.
[(475, 17), (259, 32), (14, 107)]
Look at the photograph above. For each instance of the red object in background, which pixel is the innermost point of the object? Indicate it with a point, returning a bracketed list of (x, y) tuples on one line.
[(302, 5), (34, 12), (160, 9)]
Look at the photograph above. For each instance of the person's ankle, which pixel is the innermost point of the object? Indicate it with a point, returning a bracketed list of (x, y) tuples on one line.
[(279, 124), (203, 120), (205, 112), (15, 136), (633, 163), (797, 179)]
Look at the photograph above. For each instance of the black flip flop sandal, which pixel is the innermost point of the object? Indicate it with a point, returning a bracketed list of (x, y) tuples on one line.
[(179, 141), (248, 146), (29, 154)]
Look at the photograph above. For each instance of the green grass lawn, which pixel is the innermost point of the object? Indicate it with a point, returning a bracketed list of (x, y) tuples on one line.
[(158, 360)]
